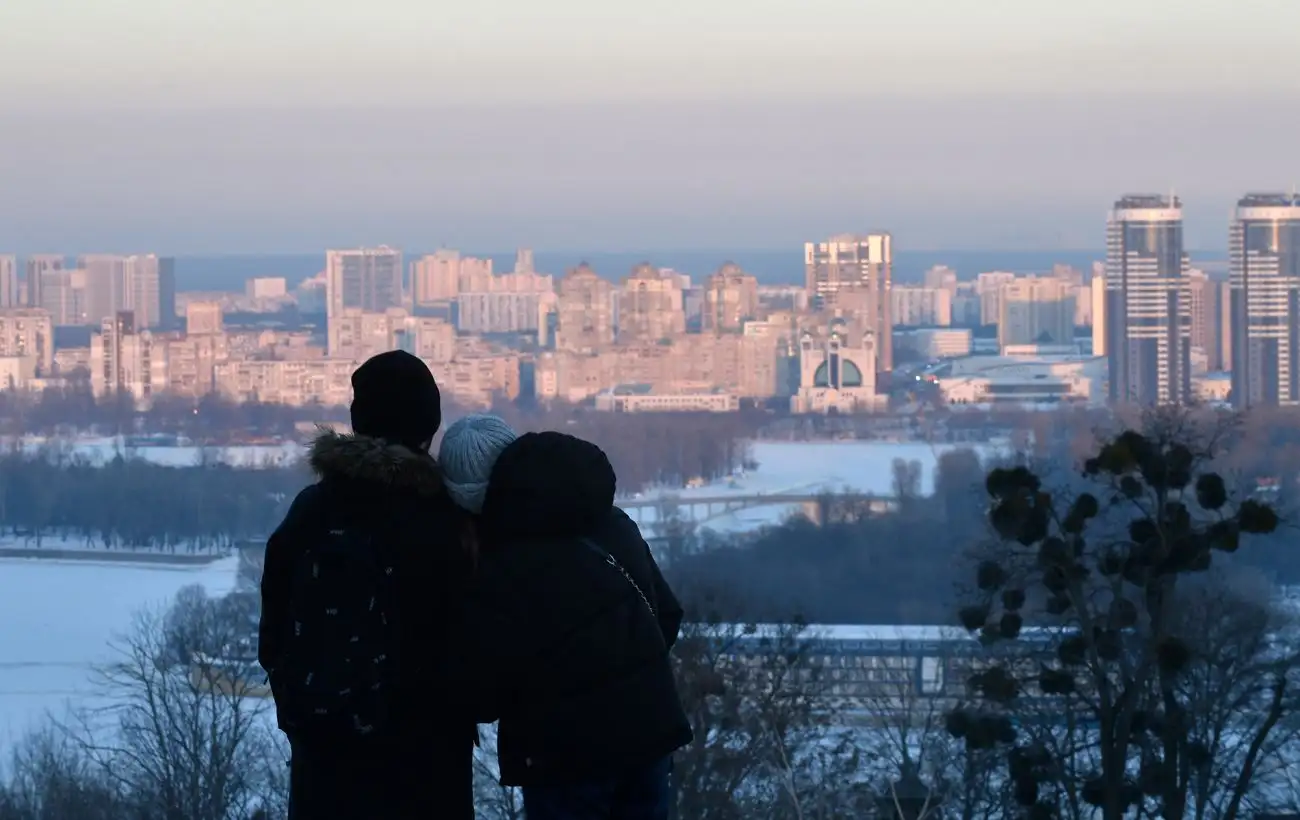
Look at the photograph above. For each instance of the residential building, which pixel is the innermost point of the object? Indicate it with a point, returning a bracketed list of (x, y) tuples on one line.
[(295, 382), (1203, 307), (917, 306), (28, 334), (511, 303), (584, 312), (988, 288), (8, 281), (1033, 309), (1264, 279), (1097, 292), (365, 279), (729, 299), (858, 265), (435, 278), (650, 306), (142, 284), (125, 360), (1148, 309), (36, 266)]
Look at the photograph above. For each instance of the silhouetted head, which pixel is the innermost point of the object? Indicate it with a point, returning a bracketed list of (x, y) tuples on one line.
[(395, 398), (547, 485), (468, 452)]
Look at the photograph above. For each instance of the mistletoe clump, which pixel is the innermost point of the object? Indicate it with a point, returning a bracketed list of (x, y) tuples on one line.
[(1100, 568)]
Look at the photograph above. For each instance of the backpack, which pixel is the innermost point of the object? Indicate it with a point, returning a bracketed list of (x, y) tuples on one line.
[(338, 669)]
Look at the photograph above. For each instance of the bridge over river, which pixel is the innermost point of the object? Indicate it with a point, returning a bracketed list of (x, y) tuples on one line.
[(701, 509)]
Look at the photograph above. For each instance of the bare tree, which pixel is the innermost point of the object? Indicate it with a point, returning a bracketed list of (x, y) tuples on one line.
[(51, 778), (910, 744), (493, 801), (1116, 711), (767, 740), (186, 730)]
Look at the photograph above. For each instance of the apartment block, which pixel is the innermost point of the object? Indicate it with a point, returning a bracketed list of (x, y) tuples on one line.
[(584, 312), (324, 381), (126, 359), (28, 334), (917, 306), (650, 306)]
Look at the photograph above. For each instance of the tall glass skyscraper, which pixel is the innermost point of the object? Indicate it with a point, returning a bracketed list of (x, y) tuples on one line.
[(1148, 305), (1264, 294)]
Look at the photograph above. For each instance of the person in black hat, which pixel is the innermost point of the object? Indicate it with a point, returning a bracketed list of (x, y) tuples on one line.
[(568, 631), (361, 581)]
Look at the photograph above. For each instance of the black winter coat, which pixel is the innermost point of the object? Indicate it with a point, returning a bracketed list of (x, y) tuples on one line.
[(566, 651), (421, 768)]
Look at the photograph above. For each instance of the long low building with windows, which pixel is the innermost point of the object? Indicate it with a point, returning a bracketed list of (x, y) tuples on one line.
[(1011, 378), (869, 673)]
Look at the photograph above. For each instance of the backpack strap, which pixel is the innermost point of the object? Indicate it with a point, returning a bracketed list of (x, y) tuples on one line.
[(613, 562)]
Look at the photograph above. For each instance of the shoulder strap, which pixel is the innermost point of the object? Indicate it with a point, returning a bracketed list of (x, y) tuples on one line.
[(613, 562)]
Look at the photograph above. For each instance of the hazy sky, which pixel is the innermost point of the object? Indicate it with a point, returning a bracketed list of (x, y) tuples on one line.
[(247, 125)]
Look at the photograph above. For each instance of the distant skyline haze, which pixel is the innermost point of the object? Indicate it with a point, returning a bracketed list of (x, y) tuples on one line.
[(205, 127)]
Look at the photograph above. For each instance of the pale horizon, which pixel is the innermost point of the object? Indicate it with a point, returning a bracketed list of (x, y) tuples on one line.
[(238, 128)]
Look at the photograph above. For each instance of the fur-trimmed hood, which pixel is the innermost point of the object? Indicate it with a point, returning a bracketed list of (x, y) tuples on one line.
[(374, 461)]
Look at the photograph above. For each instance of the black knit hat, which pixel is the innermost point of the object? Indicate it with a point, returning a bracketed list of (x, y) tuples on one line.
[(395, 397)]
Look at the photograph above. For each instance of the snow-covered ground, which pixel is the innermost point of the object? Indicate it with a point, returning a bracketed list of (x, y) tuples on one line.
[(805, 468), (99, 449), (59, 617), (59, 620)]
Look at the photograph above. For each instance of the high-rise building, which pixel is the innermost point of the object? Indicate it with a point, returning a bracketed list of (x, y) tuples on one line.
[(1264, 280), (1224, 325), (859, 268), (435, 277), (1203, 293), (728, 300), (28, 334), (511, 303), (1148, 309), (1034, 310), (35, 266), (651, 306), (63, 296), (920, 306), (8, 281), (125, 360), (166, 293), (133, 283), (584, 312), (365, 279), (988, 287), (1097, 291)]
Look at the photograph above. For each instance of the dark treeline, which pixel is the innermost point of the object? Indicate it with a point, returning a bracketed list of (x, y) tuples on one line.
[(647, 449), (903, 567), (133, 503)]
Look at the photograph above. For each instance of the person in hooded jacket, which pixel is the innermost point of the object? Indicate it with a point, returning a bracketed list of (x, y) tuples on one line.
[(381, 480), (568, 628)]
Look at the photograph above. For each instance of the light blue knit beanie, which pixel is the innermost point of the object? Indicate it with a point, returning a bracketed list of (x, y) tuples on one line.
[(469, 449)]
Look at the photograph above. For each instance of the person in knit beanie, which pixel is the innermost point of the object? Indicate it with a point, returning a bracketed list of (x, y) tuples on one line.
[(469, 450)]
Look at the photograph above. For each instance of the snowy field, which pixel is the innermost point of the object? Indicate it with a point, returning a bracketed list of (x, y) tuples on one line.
[(60, 618), (805, 468), (99, 450)]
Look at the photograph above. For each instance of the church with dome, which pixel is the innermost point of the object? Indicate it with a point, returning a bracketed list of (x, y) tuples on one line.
[(837, 374)]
